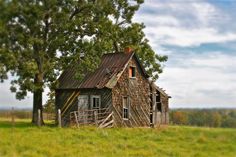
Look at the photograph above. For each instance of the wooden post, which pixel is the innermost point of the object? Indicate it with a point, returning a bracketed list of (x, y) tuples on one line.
[(12, 117), (154, 106), (83, 116), (39, 117), (76, 118), (159, 115), (59, 118), (96, 117), (71, 118)]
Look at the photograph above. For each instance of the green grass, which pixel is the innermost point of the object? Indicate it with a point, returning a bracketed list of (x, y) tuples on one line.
[(26, 140)]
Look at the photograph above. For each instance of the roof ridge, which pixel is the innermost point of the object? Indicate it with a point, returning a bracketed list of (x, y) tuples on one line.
[(121, 52)]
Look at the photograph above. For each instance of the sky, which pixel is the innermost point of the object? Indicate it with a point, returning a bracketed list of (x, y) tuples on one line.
[(199, 37)]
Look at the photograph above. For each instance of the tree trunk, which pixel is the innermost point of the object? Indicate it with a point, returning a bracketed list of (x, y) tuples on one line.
[(37, 99)]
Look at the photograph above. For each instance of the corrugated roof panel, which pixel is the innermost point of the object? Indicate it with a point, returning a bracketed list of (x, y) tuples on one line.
[(110, 65)]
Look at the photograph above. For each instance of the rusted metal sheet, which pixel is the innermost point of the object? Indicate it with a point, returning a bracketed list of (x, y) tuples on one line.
[(110, 66), (67, 79), (106, 75)]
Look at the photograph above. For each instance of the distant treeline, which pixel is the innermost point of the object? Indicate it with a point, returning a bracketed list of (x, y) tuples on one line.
[(24, 114), (225, 118), (21, 114), (196, 117)]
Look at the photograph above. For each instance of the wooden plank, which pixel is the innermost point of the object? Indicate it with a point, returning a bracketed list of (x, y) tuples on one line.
[(106, 124), (131, 117), (59, 118), (93, 116), (70, 103), (144, 112), (96, 117), (110, 126), (109, 116), (136, 115), (76, 119), (65, 104), (119, 118)]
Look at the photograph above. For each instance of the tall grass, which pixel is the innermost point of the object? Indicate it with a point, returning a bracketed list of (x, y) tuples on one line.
[(25, 139)]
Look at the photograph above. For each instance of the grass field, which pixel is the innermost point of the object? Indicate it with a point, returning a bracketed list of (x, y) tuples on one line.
[(25, 140)]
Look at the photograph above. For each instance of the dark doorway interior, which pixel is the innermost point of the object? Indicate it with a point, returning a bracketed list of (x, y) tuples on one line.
[(158, 102)]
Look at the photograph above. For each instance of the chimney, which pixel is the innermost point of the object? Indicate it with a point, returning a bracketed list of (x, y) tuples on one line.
[(128, 50)]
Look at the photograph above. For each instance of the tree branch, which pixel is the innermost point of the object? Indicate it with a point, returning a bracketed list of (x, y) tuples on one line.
[(115, 45), (77, 11)]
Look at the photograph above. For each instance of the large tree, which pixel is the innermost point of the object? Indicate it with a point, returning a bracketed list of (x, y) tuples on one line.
[(40, 38)]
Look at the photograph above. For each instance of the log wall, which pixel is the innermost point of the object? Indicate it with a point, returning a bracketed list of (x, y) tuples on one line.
[(138, 90)]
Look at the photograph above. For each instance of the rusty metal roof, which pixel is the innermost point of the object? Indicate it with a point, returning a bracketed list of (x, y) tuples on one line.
[(111, 65), (67, 79)]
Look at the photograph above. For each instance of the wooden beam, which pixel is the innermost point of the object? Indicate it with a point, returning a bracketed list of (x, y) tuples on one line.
[(67, 101), (106, 124), (68, 105), (59, 118), (110, 115), (76, 119)]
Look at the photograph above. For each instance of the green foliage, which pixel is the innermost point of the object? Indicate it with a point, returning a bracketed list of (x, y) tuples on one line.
[(27, 140), (229, 122), (41, 38), (204, 117), (179, 117)]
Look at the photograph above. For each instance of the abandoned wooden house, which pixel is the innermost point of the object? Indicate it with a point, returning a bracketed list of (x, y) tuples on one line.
[(118, 93)]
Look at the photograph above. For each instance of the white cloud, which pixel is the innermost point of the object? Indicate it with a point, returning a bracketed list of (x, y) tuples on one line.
[(206, 13), (164, 20), (204, 83), (189, 37), (186, 24), (215, 60), (193, 78)]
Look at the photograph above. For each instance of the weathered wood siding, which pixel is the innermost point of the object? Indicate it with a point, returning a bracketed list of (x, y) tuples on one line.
[(138, 91), (64, 98), (165, 107), (65, 95), (160, 108), (105, 93)]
